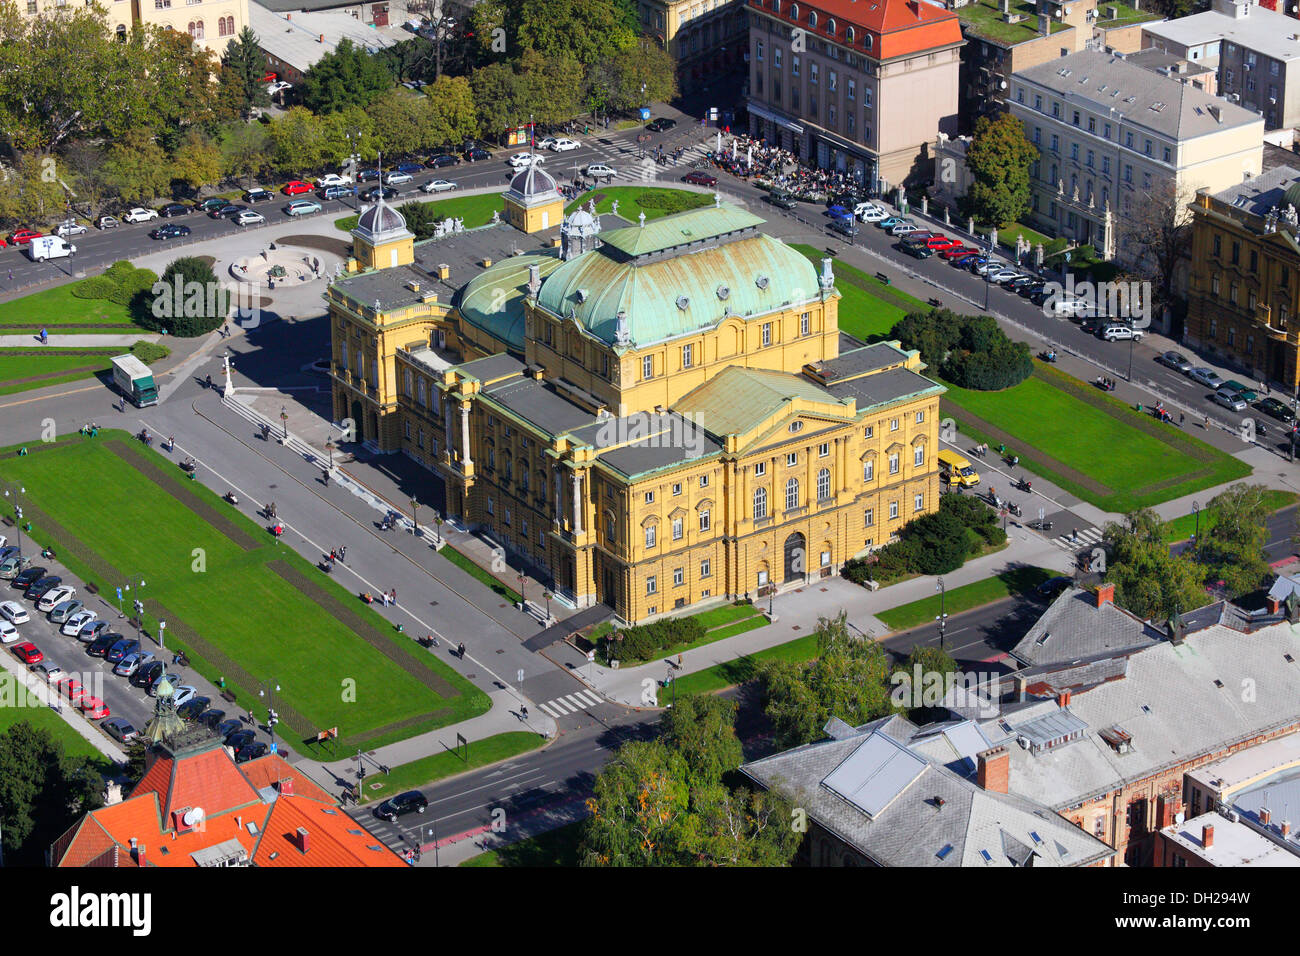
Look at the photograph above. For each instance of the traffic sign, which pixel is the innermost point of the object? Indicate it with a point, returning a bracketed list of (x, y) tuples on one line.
[(591, 655), (519, 677)]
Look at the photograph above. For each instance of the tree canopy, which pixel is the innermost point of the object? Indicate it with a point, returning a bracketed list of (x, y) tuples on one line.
[(346, 76), (43, 791), (999, 158)]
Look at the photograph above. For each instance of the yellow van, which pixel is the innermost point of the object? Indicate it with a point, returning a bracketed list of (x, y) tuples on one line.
[(957, 470)]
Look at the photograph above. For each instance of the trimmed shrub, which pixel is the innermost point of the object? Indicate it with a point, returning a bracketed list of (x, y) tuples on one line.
[(94, 287), (646, 640), (150, 352), (969, 351), (672, 201)]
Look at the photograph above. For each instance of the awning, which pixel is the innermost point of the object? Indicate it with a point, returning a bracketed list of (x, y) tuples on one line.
[(773, 117)]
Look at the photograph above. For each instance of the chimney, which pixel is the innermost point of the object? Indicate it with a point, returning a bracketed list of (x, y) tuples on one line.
[(1043, 21), (1207, 836), (1105, 594), (1286, 829), (534, 279), (993, 771), (1265, 816), (286, 787), (304, 843), (1274, 605), (138, 852), (1167, 807), (1063, 698)]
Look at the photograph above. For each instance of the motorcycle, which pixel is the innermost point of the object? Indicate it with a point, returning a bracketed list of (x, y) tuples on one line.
[(994, 500), (1049, 357), (1014, 509), (231, 497), (1041, 525), (1025, 486), (188, 466), (1012, 460)]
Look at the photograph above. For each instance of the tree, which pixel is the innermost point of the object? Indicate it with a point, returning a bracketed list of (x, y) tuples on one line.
[(347, 76), (197, 161), (1157, 233), (243, 72), (644, 64), (176, 77), (300, 140), (591, 31), (1232, 550), (1149, 581), (452, 114), (637, 805), (701, 727), (421, 218), (33, 192), (848, 679), (186, 301), (927, 662), (43, 791), (739, 827), (401, 121), (136, 169), (999, 158), (247, 151)]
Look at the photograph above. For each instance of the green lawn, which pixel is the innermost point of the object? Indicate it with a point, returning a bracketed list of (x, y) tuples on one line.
[(654, 201), (1089, 443), (1013, 581), (1007, 237), (243, 607), (869, 309), (417, 773), (42, 717), (1180, 529), (21, 369), (724, 675), (719, 623), (475, 570), (984, 18), (1125, 15), (475, 210), (59, 310), (727, 614), (558, 847)]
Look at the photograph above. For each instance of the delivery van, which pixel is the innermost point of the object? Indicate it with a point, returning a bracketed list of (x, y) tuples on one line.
[(50, 247), (956, 470)]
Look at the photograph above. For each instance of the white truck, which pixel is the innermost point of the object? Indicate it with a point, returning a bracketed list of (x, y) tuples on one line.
[(134, 379), (50, 247)]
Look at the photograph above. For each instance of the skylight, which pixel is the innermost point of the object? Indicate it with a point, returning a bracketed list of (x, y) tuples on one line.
[(1033, 835), (988, 857), (943, 854)]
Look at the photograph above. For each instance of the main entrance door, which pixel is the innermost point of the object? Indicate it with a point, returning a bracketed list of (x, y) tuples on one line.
[(796, 557)]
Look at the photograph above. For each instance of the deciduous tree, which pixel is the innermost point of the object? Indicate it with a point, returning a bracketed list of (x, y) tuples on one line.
[(999, 158), (347, 76), (43, 791)]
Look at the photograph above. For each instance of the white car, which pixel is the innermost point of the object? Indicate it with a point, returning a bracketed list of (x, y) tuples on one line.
[(563, 145), (140, 215), (69, 228), (1075, 307), (547, 143), (863, 208), (183, 694), (278, 86), (397, 179), (904, 229), (8, 633), (873, 215), (75, 623), (249, 218), (14, 612), (520, 160), (333, 179), (54, 597), (1001, 275), (599, 171), (438, 186)]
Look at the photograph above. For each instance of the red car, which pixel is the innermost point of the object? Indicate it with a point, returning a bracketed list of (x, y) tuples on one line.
[(957, 251), (28, 653), (24, 236), (699, 178), (94, 709), (3, 244), (297, 188), (71, 688), (940, 243)]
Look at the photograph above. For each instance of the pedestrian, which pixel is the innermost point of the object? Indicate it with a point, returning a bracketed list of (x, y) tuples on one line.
[(343, 553), (385, 594), (221, 683), (1267, 390), (1074, 535), (679, 660), (393, 594), (209, 381), (1181, 419), (11, 275), (523, 709), (225, 329), (1207, 422)]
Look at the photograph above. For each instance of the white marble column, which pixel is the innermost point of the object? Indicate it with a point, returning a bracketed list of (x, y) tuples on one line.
[(577, 502), (466, 462)]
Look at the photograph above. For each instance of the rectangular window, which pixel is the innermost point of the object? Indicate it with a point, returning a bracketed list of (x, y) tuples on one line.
[(1074, 152), (823, 449), (767, 334), (794, 66), (1038, 102), (1128, 140), (1092, 124), (1168, 154), (812, 74), (490, 505), (776, 57), (1105, 165), (866, 97), (893, 463), (791, 459), (869, 431), (1076, 118), (868, 469), (1056, 143), (679, 577), (920, 503), (760, 468), (869, 517), (705, 520), (920, 417), (893, 424), (651, 586), (649, 497), (758, 51), (706, 568), (650, 532), (677, 489), (704, 481), (1091, 156), (804, 324), (893, 509), (851, 90), (830, 81), (678, 530), (918, 456), (686, 356), (647, 366)]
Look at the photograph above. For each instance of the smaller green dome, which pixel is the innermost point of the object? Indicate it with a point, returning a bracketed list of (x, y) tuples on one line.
[(1291, 197)]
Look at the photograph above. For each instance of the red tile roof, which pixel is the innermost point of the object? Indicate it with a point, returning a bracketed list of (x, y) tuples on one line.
[(883, 29), (271, 770), (209, 779), (333, 838)]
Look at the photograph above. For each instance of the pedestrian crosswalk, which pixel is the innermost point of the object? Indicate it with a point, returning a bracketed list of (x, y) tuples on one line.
[(570, 703), (1085, 538)]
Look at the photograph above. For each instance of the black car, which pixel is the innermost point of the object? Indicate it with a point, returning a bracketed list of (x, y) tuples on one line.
[(211, 718), (173, 209), (148, 674), (120, 649), (443, 159), (781, 200), (368, 176), (241, 738), (227, 727), (193, 707), (103, 644), (251, 751), (413, 801), (229, 212), (258, 195), (918, 250), (372, 194), (9, 552), (1024, 282), (170, 230), (845, 228), (25, 579), (476, 154), (1030, 289), (1054, 586), (211, 205), (38, 587), (660, 125)]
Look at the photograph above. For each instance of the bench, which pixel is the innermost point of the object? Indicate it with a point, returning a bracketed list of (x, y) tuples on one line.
[(882, 277), (228, 695), (937, 303)]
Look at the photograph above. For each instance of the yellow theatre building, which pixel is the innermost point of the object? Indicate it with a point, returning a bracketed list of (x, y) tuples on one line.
[(653, 415)]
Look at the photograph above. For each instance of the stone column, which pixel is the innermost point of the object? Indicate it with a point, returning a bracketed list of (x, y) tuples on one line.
[(559, 509), (449, 444), (577, 503), (466, 461)]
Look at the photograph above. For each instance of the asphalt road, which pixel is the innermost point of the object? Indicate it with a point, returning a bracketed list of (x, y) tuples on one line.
[(1281, 525)]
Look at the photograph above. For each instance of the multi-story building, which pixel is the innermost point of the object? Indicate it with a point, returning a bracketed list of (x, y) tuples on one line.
[(655, 416), (1213, 840), (1244, 295), (212, 23), (1199, 75), (706, 38), (295, 41), (1253, 49), (1006, 36), (1110, 133), (859, 87)]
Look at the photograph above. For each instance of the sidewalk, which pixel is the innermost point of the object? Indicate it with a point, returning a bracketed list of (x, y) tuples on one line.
[(78, 341), (70, 714)]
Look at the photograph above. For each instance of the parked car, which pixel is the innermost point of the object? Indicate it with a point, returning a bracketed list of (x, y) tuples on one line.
[(333, 179), (1275, 409), (119, 651), (257, 194), (874, 215), (24, 236), (1015, 285), (599, 171), (251, 751), (1229, 400), (228, 212), (170, 230), (173, 209), (48, 671), (147, 674), (107, 222), (302, 207), (841, 213), (1175, 361), (8, 633), (11, 566), (102, 644), (374, 192), (173, 679), (958, 251), (77, 621), (781, 199), (442, 160), (69, 228), (521, 160), (71, 689), (184, 693), (999, 275), (413, 801), (661, 125), (476, 154), (249, 218), (1207, 377), (65, 609), (1247, 394), (889, 222), (368, 176), (119, 729), (397, 179), (279, 86), (845, 228), (438, 186), (139, 214), (38, 588), (240, 737), (14, 613), (28, 653), (1031, 289), (131, 663), (54, 597), (918, 250), (211, 718), (92, 631), (92, 708), (904, 228), (193, 707), (1116, 332), (943, 243), (1052, 587), (295, 187), (216, 202), (563, 145), (699, 177), (336, 192)]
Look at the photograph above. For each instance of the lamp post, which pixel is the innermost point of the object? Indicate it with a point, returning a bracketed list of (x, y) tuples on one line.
[(1129, 376), (18, 514), (437, 524), (547, 595), (329, 447), (415, 516), (523, 592), (272, 718), (986, 276), (943, 617), (284, 420), (1196, 536)]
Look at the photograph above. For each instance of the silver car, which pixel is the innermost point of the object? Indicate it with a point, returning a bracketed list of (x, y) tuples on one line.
[(1230, 400), (1175, 361), (1206, 376), (64, 610)]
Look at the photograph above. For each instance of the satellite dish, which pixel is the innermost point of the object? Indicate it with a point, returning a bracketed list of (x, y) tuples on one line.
[(193, 816), (1179, 817)]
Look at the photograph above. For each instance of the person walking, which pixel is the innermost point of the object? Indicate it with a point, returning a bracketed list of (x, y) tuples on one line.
[(209, 380), (393, 595), (1181, 419), (343, 553)]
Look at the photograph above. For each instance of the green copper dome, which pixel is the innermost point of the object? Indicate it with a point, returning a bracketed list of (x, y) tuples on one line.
[(1290, 198), (494, 299)]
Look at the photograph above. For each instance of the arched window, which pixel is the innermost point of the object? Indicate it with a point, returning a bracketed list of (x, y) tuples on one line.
[(760, 503), (226, 26), (830, 26), (196, 29), (792, 494), (121, 32), (867, 41), (849, 34), (794, 11), (823, 484), (812, 18)]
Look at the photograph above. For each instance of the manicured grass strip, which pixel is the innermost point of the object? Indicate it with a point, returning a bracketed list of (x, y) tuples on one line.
[(742, 669), (23, 706), (474, 570), (956, 600), (659, 201), (1089, 443), (863, 280), (417, 773), (475, 210), (558, 847), (726, 615), (23, 369), (1180, 529), (58, 307), (751, 623)]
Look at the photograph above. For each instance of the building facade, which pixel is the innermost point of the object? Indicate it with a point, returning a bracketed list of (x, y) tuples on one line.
[(706, 38), (860, 88), (1110, 133), (211, 23), (655, 416), (1243, 297)]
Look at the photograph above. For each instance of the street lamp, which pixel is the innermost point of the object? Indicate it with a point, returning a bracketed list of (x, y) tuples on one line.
[(415, 516), (547, 595), (943, 617), (329, 447), (1129, 376), (523, 591), (437, 525), (18, 515), (987, 274), (272, 718), (284, 420), (1196, 536)]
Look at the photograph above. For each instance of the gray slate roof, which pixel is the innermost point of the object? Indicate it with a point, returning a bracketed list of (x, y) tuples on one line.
[(1074, 629), (1259, 195), (1264, 31), (1107, 82)]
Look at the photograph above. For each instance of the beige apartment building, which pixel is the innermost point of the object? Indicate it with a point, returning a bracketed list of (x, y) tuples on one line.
[(212, 23), (862, 88), (705, 37), (1109, 133)]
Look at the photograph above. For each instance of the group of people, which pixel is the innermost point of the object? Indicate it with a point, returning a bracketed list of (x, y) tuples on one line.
[(90, 429), (387, 597), (777, 168)]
